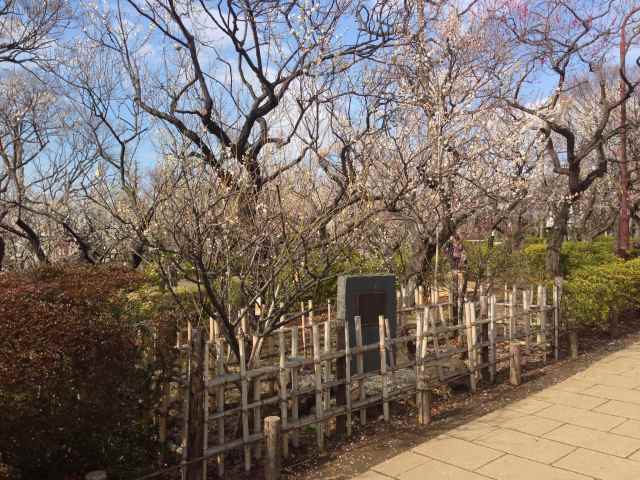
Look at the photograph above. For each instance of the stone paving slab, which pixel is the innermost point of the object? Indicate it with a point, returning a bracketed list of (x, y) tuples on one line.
[(620, 409), (472, 430), (400, 464), (440, 470), (630, 428), (532, 425), (600, 465), (560, 397), (527, 446), (614, 393), (584, 428), (582, 418), (458, 452), (510, 467), (595, 440)]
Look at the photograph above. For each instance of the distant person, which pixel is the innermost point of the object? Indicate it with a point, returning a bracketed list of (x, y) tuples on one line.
[(457, 252)]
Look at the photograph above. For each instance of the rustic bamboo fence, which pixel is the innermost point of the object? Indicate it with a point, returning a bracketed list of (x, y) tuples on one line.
[(225, 402)]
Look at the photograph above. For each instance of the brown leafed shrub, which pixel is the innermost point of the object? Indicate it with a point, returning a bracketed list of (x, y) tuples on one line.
[(72, 390)]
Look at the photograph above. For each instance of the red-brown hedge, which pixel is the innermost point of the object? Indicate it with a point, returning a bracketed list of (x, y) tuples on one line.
[(72, 389)]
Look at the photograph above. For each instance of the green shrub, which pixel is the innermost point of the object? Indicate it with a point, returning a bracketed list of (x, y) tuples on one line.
[(74, 392), (592, 293), (573, 256)]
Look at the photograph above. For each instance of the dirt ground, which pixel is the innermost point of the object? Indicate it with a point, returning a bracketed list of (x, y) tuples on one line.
[(378, 441)]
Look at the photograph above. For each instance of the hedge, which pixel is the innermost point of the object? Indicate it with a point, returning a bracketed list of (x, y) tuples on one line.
[(593, 293), (74, 393)]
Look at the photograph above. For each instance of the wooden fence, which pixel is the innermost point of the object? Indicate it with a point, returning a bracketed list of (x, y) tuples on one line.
[(309, 376)]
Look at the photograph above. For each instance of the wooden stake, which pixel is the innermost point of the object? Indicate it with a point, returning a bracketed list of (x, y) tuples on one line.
[(347, 366), (515, 361), (557, 295), (484, 336), (469, 316), (492, 338), (304, 330), (244, 393), (526, 308), (219, 394), (360, 367), (542, 318), (513, 330), (272, 434), (326, 364), (435, 335), (317, 367), (424, 400), (573, 344), (383, 368), (195, 439), (284, 410), (295, 437)]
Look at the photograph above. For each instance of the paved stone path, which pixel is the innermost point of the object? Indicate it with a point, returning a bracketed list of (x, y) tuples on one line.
[(587, 427)]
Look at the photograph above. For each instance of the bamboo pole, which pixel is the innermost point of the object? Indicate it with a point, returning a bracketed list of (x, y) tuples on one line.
[(219, 394), (526, 308), (557, 295), (383, 368), (360, 367), (317, 367), (492, 338), (244, 393), (326, 364), (515, 364), (347, 364), (195, 438), (469, 316), (283, 386), (295, 437), (304, 330), (272, 431)]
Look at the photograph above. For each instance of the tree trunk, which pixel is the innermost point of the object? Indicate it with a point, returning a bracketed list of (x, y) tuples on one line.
[(137, 254), (34, 241), (554, 245)]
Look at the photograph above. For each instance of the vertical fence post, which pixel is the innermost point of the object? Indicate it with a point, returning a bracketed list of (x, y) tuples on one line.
[(343, 390), (304, 330), (515, 364), (573, 343), (347, 375), (317, 367), (492, 338), (360, 368), (282, 350), (390, 348), (418, 360), (513, 325), (542, 319), (430, 323), (272, 434), (205, 379), (219, 393), (327, 364), (557, 296), (383, 368), (470, 320), (195, 438), (526, 313), (424, 402), (244, 398), (484, 336), (295, 436), (257, 414)]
